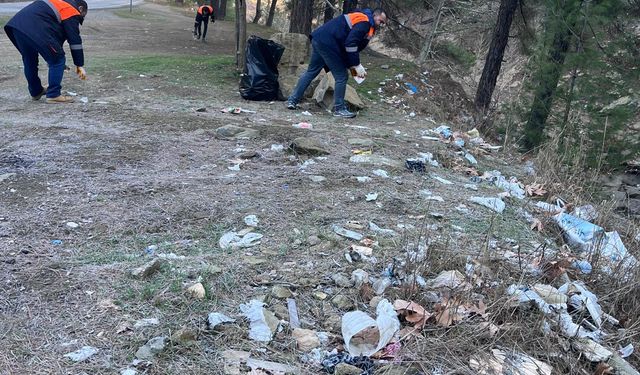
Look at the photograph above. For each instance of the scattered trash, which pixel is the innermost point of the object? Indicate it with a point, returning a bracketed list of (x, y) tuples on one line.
[(251, 220), (380, 173), (495, 204), (235, 110), (235, 360), (587, 212), (362, 250), (473, 187), (277, 148), (441, 180), (384, 232), (412, 88), (364, 336), (331, 363), (470, 158), (412, 312), (84, 100), (371, 197), (214, 319), (82, 354), (263, 324), (626, 351), (508, 362), (303, 125), (381, 285), (294, 321), (72, 225), (449, 279), (363, 179), (233, 240), (56, 242), (306, 113), (415, 165), (346, 233)]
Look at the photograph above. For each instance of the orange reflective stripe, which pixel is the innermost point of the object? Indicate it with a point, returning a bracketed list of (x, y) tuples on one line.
[(205, 6), (63, 9), (357, 17)]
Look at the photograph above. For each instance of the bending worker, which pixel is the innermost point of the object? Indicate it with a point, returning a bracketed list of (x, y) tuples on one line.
[(337, 45), (41, 28), (202, 16)]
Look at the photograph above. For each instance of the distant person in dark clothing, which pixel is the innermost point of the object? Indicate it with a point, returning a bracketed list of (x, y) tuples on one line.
[(41, 28), (202, 16)]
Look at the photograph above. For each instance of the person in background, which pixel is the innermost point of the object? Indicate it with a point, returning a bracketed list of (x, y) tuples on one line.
[(202, 16), (337, 45), (41, 28)]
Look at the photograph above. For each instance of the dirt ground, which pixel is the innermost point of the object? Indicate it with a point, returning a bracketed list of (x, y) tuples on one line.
[(137, 166)]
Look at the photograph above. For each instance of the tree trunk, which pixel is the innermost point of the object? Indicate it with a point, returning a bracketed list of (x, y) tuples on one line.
[(258, 12), (221, 9), (272, 12), (241, 34), (549, 70), (301, 17), (328, 11), (426, 49), (494, 56), (349, 5)]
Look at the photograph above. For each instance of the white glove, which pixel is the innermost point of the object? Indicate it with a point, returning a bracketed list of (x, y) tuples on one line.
[(360, 72), (82, 74)]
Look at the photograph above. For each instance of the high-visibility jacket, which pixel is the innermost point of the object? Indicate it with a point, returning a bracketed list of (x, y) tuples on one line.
[(348, 34), (200, 16), (49, 23)]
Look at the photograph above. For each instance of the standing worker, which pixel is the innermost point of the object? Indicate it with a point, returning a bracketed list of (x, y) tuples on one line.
[(203, 14), (337, 45), (41, 28)]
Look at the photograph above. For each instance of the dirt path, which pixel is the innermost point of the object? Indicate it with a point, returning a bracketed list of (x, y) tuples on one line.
[(138, 166)]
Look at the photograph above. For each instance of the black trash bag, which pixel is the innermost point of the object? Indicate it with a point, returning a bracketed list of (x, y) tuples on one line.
[(260, 78)]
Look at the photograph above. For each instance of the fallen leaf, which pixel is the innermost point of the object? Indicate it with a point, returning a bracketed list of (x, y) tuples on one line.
[(124, 327), (603, 369), (537, 225), (412, 312), (535, 189)]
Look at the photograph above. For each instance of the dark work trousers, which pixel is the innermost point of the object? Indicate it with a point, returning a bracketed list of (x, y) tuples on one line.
[(29, 51), (197, 27)]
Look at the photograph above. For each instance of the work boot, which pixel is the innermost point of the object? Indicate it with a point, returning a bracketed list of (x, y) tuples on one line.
[(60, 99), (291, 104), (37, 97), (343, 112)]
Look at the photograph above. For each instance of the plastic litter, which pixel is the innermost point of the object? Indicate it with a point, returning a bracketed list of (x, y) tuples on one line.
[(261, 327), (82, 354), (412, 88), (231, 240), (587, 212), (495, 204), (384, 232), (260, 78), (363, 363), (626, 351), (346, 233), (444, 131), (303, 125), (508, 362), (415, 165), (381, 173), (214, 319), (236, 110), (251, 220), (371, 197), (441, 180), (368, 330)]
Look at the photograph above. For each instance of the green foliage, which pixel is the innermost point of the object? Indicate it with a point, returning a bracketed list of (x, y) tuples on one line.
[(457, 53), (4, 20), (570, 92)]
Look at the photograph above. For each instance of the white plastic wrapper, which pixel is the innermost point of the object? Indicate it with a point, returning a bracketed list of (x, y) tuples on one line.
[(354, 322), (258, 328)]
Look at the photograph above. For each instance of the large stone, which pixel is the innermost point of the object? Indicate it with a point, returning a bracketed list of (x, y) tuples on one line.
[(633, 206), (308, 146), (346, 369), (375, 160), (147, 270), (236, 132), (306, 339), (295, 54), (151, 348), (323, 94)]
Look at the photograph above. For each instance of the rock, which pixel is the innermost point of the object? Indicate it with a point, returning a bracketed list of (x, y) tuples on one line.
[(151, 348), (313, 240), (323, 94), (633, 206), (319, 295), (359, 277), (308, 146), (296, 51), (147, 269), (375, 301), (249, 155), (82, 354), (342, 302), (281, 312), (148, 322), (347, 233), (341, 280), (128, 371), (279, 291), (306, 339), (184, 336), (360, 142), (345, 369), (375, 160), (617, 103), (384, 66), (197, 291), (6, 176), (236, 132), (333, 323), (396, 370)]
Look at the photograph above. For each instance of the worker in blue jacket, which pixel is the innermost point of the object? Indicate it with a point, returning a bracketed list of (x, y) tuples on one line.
[(41, 28), (337, 45)]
